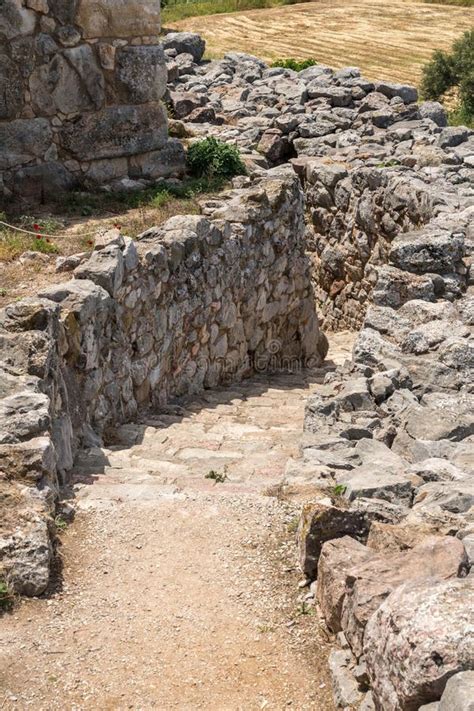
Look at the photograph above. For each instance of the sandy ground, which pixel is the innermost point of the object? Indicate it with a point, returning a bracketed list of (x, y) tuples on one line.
[(177, 592), (387, 40)]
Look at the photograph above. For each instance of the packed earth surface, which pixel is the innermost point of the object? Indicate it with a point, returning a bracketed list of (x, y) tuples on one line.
[(168, 578)]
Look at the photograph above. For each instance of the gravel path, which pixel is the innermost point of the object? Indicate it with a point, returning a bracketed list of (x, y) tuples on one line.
[(176, 591)]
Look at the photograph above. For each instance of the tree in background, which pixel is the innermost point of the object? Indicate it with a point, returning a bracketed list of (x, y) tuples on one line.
[(453, 69)]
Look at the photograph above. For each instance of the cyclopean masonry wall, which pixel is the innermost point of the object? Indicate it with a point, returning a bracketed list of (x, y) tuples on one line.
[(81, 83), (199, 301)]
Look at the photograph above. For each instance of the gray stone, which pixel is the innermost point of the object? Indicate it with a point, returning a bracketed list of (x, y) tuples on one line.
[(425, 629), (11, 89), (169, 162), (43, 181), (337, 558), (118, 18), (185, 43), (368, 583), (23, 141), (407, 93), (142, 73), (22, 415), (71, 82), (459, 693), (116, 132), (435, 111), (345, 689)]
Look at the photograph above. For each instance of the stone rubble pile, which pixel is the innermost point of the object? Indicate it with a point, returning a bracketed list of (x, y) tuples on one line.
[(199, 301), (388, 541), (374, 162)]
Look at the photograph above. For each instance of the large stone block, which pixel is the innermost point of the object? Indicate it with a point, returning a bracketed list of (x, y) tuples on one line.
[(23, 141), (64, 10), (115, 132), (71, 82), (370, 582), (170, 161), (43, 181), (141, 73), (11, 88), (424, 632), (119, 18), (15, 20)]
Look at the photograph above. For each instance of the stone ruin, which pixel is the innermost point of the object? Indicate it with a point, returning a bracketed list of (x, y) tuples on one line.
[(358, 205), (81, 88)]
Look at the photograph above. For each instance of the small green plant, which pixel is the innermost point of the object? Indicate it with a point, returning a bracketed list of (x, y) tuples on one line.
[(388, 163), (296, 64), (306, 609), (452, 69), (60, 523), (218, 477), (6, 596), (211, 158), (160, 199), (3, 291), (293, 524), (264, 629), (339, 490)]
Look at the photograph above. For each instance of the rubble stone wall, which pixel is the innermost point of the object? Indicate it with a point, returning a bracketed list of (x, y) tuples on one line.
[(353, 216), (202, 300), (81, 83)]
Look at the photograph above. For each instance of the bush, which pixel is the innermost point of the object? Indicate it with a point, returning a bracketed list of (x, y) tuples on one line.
[(214, 159), (295, 64), (453, 69)]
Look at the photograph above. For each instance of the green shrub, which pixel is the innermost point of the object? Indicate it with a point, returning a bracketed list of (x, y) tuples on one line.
[(6, 597), (296, 64), (452, 69), (212, 159)]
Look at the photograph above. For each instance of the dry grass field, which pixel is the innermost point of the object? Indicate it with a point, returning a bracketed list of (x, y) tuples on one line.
[(386, 39)]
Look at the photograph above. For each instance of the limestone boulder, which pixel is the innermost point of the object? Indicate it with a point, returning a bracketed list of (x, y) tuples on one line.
[(118, 18), (185, 43), (370, 582), (141, 72), (116, 132), (336, 560), (71, 82), (320, 523), (15, 19), (23, 141), (459, 693), (425, 629), (11, 88)]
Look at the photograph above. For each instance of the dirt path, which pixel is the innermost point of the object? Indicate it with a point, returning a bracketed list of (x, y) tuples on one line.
[(179, 592), (387, 40)]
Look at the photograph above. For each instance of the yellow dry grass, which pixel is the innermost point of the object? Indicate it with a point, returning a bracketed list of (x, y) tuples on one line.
[(387, 40)]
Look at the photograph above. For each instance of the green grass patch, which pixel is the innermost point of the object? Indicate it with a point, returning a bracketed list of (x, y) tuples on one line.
[(13, 243), (6, 597), (296, 64), (176, 10), (88, 204)]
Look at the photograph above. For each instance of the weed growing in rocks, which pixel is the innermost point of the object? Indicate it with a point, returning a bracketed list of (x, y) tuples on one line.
[(296, 64), (6, 597), (214, 159), (218, 477)]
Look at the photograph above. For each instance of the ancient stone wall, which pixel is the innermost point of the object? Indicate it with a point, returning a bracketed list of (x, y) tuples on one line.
[(81, 83), (199, 301), (353, 216)]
